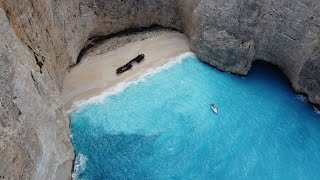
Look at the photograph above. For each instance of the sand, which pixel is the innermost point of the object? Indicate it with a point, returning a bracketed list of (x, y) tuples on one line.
[(97, 71)]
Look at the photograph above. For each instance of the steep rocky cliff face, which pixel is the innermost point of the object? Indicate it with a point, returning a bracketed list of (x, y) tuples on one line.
[(34, 139), (40, 39), (286, 33)]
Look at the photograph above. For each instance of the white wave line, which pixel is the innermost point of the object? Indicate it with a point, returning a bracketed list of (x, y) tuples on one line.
[(118, 88), (302, 98), (79, 166), (316, 110)]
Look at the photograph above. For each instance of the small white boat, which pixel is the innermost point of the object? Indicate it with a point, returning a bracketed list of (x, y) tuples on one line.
[(214, 109)]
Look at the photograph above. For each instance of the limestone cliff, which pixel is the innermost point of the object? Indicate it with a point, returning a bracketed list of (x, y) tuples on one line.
[(40, 39), (286, 33)]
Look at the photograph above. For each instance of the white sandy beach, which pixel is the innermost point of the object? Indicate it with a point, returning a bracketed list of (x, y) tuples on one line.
[(97, 71)]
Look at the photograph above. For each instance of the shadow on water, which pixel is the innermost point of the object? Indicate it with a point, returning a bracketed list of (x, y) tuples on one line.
[(262, 128), (261, 68), (117, 156)]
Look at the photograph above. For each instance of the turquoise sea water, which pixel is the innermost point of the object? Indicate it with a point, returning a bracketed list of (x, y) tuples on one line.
[(163, 128)]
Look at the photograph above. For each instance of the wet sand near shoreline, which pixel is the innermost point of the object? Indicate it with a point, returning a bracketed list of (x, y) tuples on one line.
[(97, 71)]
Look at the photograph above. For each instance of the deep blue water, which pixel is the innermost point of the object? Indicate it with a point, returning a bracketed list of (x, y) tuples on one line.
[(163, 128)]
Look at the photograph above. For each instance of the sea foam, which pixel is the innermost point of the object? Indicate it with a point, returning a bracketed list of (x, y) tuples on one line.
[(165, 128), (79, 166), (118, 88), (302, 98), (316, 110)]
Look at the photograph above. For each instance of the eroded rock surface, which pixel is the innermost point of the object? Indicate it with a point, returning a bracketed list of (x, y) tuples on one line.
[(34, 140), (285, 33), (40, 39)]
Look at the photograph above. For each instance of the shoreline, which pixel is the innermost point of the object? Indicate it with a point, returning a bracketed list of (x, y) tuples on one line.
[(121, 86), (96, 73)]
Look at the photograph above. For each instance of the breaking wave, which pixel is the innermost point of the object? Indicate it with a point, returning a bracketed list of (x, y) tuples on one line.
[(79, 166), (302, 98), (316, 110), (118, 88), (165, 128)]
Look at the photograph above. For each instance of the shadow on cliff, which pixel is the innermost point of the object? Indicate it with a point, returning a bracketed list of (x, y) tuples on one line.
[(276, 73), (95, 41), (265, 67)]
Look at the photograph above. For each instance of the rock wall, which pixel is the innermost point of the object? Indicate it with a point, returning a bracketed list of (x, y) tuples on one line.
[(40, 39), (34, 139), (285, 33)]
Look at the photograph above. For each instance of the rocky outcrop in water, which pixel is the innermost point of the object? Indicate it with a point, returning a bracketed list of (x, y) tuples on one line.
[(40, 39)]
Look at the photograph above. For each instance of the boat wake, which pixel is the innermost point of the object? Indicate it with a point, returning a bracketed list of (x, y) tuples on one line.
[(79, 105)]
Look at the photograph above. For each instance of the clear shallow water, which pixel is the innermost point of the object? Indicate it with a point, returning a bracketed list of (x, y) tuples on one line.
[(163, 128)]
